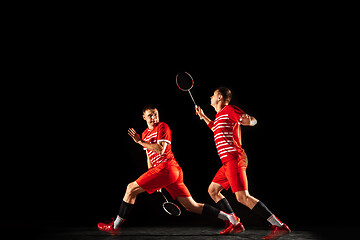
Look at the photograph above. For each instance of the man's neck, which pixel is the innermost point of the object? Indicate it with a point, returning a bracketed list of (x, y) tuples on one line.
[(151, 127), (220, 106)]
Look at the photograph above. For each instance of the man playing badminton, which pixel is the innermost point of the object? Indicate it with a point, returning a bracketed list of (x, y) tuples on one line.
[(164, 172), (227, 136)]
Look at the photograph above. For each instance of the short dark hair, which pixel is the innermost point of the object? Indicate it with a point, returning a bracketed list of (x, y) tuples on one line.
[(226, 93), (148, 107)]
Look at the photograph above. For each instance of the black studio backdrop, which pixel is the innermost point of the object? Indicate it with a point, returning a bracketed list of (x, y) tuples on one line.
[(76, 111)]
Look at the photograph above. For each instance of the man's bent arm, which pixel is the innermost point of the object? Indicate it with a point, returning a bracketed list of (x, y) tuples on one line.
[(247, 120), (155, 147)]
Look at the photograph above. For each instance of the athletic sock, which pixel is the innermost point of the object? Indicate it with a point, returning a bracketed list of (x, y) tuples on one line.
[(261, 210), (118, 222), (231, 217), (124, 212), (209, 211), (274, 221), (224, 205)]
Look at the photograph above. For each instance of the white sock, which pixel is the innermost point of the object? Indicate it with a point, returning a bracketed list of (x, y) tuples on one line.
[(274, 221), (224, 216), (118, 221)]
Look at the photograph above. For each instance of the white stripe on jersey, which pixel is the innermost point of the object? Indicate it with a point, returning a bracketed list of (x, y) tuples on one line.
[(223, 133), (223, 125), (225, 152), (224, 144), (227, 141), (163, 140), (229, 149), (224, 116), (228, 127), (151, 153), (150, 136), (224, 136)]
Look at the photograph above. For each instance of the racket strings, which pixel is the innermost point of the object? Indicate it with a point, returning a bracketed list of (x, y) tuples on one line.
[(184, 81), (171, 209)]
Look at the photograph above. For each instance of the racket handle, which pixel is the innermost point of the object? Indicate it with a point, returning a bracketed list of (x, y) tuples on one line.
[(196, 106)]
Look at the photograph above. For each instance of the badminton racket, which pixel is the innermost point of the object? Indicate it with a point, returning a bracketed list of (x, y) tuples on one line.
[(170, 208), (185, 82)]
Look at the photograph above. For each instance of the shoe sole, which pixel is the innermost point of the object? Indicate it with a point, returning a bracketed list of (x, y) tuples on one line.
[(233, 232)]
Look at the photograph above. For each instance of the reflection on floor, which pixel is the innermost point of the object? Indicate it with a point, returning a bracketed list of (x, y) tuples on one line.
[(173, 233)]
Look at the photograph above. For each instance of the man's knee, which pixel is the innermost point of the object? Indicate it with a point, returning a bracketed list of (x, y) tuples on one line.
[(213, 190), (131, 189)]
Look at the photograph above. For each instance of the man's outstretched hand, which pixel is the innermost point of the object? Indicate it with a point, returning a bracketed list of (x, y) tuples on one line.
[(132, 133)]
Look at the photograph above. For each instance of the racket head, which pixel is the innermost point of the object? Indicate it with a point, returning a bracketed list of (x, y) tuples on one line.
[(184, 81), (171, 209)]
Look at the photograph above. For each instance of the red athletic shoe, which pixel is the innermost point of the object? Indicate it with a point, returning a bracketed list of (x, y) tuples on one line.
[(277, 232), (108, 227), (230, 228), (228, 223)]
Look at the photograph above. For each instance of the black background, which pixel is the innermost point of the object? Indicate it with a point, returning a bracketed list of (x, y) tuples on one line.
[(83, 85)]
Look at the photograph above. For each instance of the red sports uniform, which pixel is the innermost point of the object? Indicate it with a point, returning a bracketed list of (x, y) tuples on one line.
[(165, 171), (227, 136)]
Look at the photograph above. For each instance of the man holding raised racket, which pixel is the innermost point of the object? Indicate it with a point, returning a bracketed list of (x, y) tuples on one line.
[(164, 172), (227, 137)]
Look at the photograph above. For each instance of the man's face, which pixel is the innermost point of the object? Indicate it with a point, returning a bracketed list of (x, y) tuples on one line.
[(151, 116), (215, 98)]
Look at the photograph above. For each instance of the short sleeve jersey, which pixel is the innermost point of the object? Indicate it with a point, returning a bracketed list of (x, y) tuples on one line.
[(227, 133), (160, 133)]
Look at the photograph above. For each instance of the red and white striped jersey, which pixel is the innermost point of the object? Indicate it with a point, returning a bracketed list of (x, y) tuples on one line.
[(160, 133), (227, 133)]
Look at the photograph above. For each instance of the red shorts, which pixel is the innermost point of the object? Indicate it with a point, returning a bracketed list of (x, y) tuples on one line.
[(168, 175), (232, 174)]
